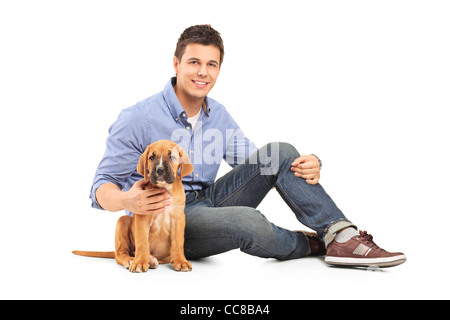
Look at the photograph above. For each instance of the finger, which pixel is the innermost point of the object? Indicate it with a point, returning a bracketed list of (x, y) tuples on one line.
[(154, 191), (299, 175), (309, 165), (157, 205), (309, 177), (313, 181), (305, 172), (297, 169), (140, 183), (298, 161), (301, 168), (158, 198), (310, 172)]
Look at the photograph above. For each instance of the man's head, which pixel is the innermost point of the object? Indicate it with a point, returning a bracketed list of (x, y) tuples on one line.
[(198, 57), (201, 34)]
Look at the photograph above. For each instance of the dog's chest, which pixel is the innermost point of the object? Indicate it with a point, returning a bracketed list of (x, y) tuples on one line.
[(159, 235), (161, 222)]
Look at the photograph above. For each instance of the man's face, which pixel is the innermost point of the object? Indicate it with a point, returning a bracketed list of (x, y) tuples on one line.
[(197, 71)]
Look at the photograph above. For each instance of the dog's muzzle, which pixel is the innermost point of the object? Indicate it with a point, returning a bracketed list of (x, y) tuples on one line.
[(162, 173)]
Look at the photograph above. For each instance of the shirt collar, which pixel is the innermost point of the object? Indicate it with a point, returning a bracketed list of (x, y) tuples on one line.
[(174, 105)]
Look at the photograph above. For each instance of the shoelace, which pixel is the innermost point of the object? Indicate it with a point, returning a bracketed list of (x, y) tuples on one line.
[(367, 239)]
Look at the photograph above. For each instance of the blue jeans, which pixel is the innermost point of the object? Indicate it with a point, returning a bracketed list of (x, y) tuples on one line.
[(224, 217)]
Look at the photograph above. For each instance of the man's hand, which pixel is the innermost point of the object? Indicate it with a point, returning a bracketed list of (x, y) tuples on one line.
[(146, 202), (136, 200), (308, 168)]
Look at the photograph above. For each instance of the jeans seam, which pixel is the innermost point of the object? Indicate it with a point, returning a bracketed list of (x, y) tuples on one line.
[(286, 198), (238, 188)]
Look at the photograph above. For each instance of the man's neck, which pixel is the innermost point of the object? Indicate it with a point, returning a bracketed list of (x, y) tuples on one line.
[(191, 111), (190, 105)]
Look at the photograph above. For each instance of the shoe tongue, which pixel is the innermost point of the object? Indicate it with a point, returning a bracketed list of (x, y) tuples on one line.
[(365, 235), (369, 238)]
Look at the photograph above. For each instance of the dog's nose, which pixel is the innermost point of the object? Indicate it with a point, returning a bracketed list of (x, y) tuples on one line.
[(160, 171)]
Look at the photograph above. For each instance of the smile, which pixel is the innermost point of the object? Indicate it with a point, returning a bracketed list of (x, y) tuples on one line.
[(200, 84)]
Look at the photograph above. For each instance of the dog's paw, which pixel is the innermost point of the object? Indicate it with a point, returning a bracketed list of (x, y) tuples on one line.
[(182, 265), (153, 262), (138, 267)]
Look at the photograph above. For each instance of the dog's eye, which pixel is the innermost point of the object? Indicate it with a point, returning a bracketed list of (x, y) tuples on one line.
[(152, 157), (172, 158)]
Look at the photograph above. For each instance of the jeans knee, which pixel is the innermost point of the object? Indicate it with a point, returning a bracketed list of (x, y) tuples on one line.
[(288, 150), (246, 216), (276, 155), (281, 151), (248, 222)]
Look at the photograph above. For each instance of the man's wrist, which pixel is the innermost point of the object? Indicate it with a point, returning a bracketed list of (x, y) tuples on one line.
[(318, 159)]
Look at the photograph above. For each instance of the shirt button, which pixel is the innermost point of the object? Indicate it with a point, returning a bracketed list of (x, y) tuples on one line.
[(183, 115), (192, 151), (176, 119), (188, 128), (196, 175)]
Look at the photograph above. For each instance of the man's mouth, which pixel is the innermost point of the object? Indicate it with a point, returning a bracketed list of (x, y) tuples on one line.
[(200, 84)]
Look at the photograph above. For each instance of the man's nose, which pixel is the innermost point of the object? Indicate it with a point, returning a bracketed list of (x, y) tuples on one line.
[(202, 70)]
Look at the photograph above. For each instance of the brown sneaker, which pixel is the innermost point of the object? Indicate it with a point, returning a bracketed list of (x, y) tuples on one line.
[(361, 251)]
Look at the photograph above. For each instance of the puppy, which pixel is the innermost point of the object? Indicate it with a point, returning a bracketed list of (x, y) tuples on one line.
[(157, 238)]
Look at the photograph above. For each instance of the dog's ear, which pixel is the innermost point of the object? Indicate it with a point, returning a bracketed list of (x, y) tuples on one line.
[(143, 164), (186, 166)]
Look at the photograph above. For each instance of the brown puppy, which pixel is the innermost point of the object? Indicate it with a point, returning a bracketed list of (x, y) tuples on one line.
[(157, 238)]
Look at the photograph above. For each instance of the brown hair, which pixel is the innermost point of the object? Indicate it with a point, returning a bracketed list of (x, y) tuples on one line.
[(202, 34)]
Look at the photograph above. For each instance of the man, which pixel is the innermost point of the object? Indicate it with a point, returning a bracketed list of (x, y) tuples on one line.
[(221, 215)]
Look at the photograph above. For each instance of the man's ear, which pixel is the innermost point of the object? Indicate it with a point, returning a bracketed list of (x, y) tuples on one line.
[(176, 64), (186, 167), (143, 164)]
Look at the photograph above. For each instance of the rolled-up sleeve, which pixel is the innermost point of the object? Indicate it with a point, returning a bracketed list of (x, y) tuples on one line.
[(128, 138)]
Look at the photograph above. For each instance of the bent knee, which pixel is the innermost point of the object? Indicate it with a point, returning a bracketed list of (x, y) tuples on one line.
[(287, 150), (281, 152), (249, 221)]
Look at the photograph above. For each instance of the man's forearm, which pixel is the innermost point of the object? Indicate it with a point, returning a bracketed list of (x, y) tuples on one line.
[(110, 197)]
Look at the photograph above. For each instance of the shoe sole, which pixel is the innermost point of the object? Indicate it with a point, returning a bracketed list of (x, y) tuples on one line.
[(366, 262)]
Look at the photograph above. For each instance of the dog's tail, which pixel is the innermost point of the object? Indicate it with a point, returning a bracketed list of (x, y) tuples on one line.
[(96, 254)]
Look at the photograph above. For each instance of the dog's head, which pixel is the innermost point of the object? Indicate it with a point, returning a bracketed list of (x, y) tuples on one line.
[(161, 160)]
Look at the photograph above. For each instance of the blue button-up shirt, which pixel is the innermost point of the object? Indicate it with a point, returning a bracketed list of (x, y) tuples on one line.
[(216, 136)]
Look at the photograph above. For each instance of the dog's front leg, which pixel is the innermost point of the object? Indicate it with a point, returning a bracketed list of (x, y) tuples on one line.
[(179, 261), (141, 230)]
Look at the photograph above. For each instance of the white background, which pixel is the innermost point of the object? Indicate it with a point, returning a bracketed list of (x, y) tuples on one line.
[(362, 84)]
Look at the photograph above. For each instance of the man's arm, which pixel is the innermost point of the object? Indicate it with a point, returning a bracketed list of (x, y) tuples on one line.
[(110, 197), (238, 146), (135, 200), (128, 138)]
